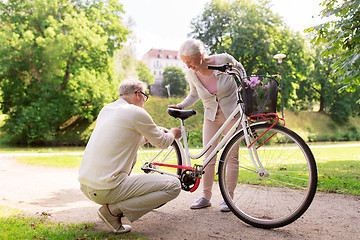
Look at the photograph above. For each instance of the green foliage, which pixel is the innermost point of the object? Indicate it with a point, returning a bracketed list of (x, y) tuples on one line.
[(343, 106), (0, 100), (144, 73), (55, 64), (320, 126), (175, 77), (251, 33), (157, 108), (3, 139), (320, 85), (342, 36), (312, 126), (125, 64), (195, 138)]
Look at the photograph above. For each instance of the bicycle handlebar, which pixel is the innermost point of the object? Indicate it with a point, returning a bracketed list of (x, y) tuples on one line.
[(221, 68), (227, 68)]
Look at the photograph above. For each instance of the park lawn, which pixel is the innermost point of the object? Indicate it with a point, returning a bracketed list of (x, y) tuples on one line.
[(7, 149), (70, 161), (15, 225), (338, 167)]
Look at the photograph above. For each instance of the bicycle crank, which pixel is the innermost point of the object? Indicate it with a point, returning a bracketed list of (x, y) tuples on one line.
[(188, 181)]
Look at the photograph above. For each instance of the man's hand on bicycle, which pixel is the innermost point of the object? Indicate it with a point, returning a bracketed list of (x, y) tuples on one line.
[(176, 132)]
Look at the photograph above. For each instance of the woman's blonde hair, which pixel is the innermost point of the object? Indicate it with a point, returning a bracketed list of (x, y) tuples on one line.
[(192, 47)]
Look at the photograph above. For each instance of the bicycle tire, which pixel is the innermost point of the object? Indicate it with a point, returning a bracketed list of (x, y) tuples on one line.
[(170, 155), (284, 192)]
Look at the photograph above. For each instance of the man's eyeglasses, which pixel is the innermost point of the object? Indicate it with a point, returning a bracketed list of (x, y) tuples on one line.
[(146, 96)]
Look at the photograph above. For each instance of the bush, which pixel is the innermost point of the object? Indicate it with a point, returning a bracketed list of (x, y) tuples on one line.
[(195, 138), (341, 110), (351, 134)]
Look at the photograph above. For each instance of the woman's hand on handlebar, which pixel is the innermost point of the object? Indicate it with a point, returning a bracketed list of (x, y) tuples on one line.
[(174, 106)]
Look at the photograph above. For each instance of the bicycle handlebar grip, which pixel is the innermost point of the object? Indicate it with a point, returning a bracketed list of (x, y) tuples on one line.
[(221, 68)]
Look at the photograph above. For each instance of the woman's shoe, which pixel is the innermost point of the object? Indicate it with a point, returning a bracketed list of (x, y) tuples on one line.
[(224, 207), (200, 203)]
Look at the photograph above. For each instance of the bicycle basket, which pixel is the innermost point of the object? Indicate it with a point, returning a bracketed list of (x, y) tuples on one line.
[(259, 94)]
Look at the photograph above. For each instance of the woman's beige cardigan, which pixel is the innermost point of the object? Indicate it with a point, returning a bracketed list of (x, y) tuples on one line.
[(226, 95)]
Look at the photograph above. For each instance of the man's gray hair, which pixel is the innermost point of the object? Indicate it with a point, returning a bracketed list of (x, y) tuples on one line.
[(192, 47), (130, 86)]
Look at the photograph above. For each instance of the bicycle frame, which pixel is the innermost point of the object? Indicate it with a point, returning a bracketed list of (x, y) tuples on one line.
[(219, 146), (267, 193), (244, 127)]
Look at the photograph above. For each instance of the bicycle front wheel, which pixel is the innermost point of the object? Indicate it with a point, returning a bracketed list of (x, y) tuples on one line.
[(283, 186)]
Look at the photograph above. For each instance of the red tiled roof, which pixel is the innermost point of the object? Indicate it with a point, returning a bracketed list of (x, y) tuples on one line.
[(161, 53)]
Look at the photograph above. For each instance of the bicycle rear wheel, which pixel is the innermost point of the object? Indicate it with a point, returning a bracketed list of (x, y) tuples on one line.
[(169, 155), (280, 193)]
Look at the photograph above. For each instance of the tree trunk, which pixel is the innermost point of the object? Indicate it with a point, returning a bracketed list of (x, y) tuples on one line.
[(322, 104)]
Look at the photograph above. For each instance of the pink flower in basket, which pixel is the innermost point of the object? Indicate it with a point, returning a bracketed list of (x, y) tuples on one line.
[(267, 85), (254, 81)]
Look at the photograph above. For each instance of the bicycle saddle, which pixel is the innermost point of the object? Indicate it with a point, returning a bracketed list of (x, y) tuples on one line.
[(182, 114)]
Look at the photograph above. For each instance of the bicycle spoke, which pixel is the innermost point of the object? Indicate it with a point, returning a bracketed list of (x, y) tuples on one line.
[(278, 193), (286, 184)]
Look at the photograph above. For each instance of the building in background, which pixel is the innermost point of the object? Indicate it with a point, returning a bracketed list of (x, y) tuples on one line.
[(157, 60)]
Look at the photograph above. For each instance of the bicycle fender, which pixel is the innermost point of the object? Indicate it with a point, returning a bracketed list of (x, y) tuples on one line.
[(182, 151)]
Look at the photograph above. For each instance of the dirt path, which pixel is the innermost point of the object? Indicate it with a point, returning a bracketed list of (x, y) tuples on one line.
[(56, 191)]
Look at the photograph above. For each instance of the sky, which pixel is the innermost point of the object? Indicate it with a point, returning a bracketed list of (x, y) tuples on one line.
[(165, 24)]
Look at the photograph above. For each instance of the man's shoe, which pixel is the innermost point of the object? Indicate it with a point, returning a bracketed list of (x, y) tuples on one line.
[(200, 203), (224, 207), (112, 221)]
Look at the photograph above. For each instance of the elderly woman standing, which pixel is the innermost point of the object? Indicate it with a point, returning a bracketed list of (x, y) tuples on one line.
[(218, 92)]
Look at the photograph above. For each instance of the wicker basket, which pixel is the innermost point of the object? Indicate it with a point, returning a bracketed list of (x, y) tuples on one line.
[(259, 94)]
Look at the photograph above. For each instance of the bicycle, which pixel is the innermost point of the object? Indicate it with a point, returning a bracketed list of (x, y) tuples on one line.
[(275, 169)]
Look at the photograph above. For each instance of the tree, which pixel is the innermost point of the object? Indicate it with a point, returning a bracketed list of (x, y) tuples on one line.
[(251, 33), (144, 73), (320, 85), (55, 63), (175, 77), (342, 36), (125, 64), (125, 60)]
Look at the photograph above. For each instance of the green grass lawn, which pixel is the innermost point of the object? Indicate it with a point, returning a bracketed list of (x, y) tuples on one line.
[(15, 225), (7, 149), (71, 161), (338, 168)]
